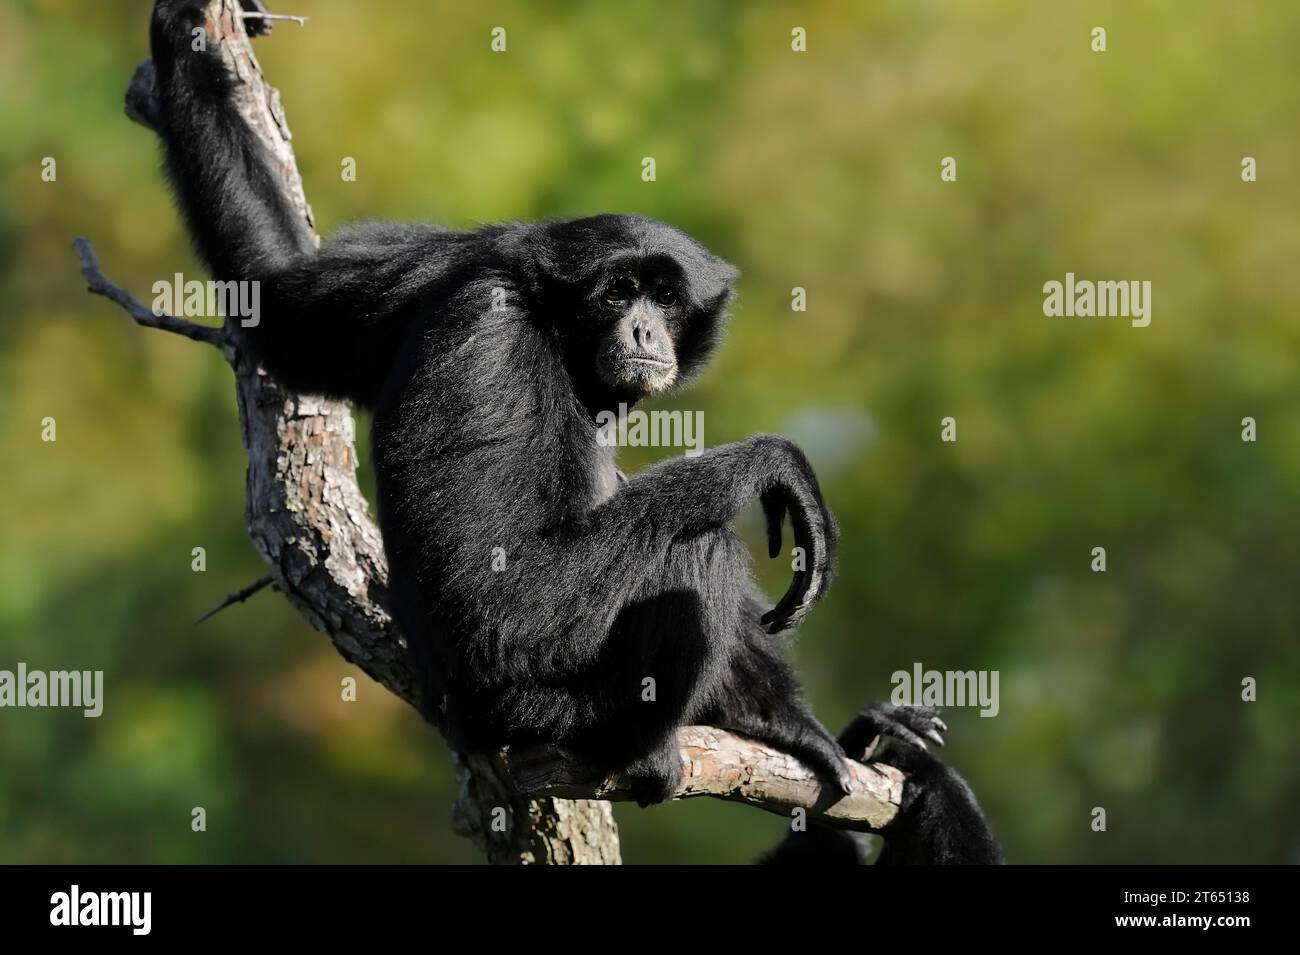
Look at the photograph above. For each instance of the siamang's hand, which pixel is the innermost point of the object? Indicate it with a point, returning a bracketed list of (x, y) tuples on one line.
[(190, 11), (256, 26), (168, 12), (794, 490)]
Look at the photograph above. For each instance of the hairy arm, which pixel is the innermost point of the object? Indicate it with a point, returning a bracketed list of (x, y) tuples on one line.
[(241, 221), (328, 321)]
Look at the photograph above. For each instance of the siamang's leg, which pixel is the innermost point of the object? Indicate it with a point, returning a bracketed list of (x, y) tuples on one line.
[(760, 698), (662, 553), (667, 530), (660, 662), (659, 654), (820, 846)]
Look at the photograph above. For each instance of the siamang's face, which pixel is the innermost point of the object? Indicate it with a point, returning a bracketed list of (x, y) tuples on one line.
[(641, 304), (641, 321)]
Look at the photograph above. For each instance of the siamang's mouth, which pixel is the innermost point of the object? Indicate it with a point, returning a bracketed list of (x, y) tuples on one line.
[(639, 374)]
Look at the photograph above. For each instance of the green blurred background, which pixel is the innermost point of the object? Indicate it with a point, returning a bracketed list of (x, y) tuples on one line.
[(818, 170)]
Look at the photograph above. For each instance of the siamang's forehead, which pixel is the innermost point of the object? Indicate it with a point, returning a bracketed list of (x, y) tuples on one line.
[(644, 266), (645, 248), (626, 235)]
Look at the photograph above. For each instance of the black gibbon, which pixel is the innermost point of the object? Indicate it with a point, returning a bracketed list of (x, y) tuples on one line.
[(538, 587)]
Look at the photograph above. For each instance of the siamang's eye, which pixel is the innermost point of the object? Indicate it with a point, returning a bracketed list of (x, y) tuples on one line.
[(614, 295), (666, 297)]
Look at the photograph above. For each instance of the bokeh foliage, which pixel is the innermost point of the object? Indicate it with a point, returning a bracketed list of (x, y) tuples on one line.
[(818, 170)]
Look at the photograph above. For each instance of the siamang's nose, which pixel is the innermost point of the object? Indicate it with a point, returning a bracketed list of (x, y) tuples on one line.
[(643, 334)]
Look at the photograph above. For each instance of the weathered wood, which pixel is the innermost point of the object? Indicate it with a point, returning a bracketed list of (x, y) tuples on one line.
[(720, 764)]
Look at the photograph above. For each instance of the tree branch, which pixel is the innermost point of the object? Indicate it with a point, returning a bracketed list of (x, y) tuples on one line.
[(308, 519), (238, 597), (720, 764), (301, 21), (97, 283)]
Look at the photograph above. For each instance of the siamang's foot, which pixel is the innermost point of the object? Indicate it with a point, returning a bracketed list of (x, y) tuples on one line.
[(825, 757), (655, 778), (794, 730), (911, 725)]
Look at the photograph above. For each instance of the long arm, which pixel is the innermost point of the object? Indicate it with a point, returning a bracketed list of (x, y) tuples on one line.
[(241, 221), (329, 321)]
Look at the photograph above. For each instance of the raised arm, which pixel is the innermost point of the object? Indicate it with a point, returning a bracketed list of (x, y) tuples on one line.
[(327, 321), (240, 220)]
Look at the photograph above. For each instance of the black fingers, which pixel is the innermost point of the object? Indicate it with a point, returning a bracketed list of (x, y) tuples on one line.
[(794, 490), (170, 29), (910, 725), (256, 26)]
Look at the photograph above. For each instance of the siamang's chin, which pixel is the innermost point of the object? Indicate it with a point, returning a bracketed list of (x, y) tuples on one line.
[(641, 377)]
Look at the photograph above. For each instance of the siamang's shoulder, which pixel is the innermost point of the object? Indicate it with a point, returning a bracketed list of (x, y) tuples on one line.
[(385, 236)]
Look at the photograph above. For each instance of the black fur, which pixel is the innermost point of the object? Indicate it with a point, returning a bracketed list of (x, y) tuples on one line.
[(484, 437), (486, 357), (939, 821)]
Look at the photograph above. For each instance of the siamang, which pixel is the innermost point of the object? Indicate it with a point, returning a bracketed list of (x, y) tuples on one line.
[(545, 596)]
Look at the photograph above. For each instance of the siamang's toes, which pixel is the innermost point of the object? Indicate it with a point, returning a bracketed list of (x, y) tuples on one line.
[(913, 724), (844, 779), (836, 777), (827, 760)]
